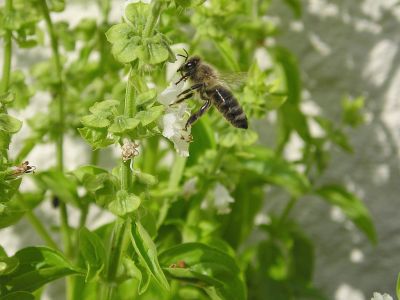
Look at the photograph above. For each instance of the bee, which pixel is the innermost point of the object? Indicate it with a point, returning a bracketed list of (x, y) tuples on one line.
[(208, 85)]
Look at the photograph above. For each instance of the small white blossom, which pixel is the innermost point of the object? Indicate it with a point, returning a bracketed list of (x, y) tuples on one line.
[(219, 200), (174, 120), (189, 187), (222, 199), (378, 296)]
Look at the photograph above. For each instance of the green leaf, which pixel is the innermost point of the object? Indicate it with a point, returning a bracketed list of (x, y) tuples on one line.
[(123, 124), (37, 266), (134, 272), (95, 121), (126, 51), (351, 206), (60, 185), (118, 32), (146, 97), (8, 265), (292, 74), (56, 5), (9, 124), (97, 138), (146, 178), (275, 100), (352, 111), (302, 264), (150, 115), (157, 53), (83, 171), (147, 252), (93, 252), (7, 97), (124, 204), (213, 270), (104, 108), (18, 296)]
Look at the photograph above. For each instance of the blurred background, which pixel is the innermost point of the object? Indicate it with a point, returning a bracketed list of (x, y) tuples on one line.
[(343, 48)]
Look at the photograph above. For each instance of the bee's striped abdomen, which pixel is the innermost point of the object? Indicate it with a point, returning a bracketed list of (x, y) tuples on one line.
[(227, 104)]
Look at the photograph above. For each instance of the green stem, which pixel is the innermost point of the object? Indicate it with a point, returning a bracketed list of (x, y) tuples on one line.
[(157, 7), (176, 171), (120, 232), (7, 54), (65, 229), (58, 74), (288, 208), (35, 222), (119, 243)]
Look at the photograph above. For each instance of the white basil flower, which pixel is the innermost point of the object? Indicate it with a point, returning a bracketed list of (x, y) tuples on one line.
[(174, 119), (219, 200), (378, 296), (222, 199)]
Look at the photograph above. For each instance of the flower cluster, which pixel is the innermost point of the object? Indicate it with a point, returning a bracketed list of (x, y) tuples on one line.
[(174, 119)]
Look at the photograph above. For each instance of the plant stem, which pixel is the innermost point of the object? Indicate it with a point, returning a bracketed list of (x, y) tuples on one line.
[(120, 237), (121, 228), (118, 246), (289, 206), (177, 171), (65, 229), (157, 7), (7, 55)]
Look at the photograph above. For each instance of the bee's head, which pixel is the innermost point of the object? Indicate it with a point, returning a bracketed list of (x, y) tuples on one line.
[(189, 65)]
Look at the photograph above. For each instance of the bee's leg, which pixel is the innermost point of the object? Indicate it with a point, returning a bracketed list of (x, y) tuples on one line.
[(193, 118), (192, 88), (184, 77), (182, 99)]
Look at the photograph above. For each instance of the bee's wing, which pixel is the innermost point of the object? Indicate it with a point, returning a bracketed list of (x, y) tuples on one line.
[(234, 80)]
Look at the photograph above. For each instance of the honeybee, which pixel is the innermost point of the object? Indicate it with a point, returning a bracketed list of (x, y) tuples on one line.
[(207, 84)]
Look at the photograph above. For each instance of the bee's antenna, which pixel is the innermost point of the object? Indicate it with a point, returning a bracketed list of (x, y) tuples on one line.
[(184, 56)]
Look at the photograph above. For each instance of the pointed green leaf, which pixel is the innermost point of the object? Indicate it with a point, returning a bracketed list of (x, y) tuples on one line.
[(148, 116), (213, 270), (95, 121), (134, 271), (93, 251), (37, 266), (122, 124), (147, 252)]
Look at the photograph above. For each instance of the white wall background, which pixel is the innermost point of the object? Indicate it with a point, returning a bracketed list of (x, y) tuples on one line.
[(352, 47), (344, 47)]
